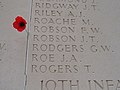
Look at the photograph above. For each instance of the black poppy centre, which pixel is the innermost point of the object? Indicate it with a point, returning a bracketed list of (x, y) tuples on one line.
[(22, 24)]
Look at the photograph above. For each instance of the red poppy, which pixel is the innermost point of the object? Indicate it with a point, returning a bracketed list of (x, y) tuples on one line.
[(19, 24)]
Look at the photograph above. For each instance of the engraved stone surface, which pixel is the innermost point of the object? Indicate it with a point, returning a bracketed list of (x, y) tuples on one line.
[(74, 45)]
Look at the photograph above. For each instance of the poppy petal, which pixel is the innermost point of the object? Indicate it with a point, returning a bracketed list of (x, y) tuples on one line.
[(18, 18), (20, 29), (15, 25)]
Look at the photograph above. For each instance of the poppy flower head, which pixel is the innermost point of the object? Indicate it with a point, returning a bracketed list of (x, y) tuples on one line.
[(19, 24)]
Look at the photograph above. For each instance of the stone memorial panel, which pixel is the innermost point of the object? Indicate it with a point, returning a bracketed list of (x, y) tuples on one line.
[(74, 45)]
